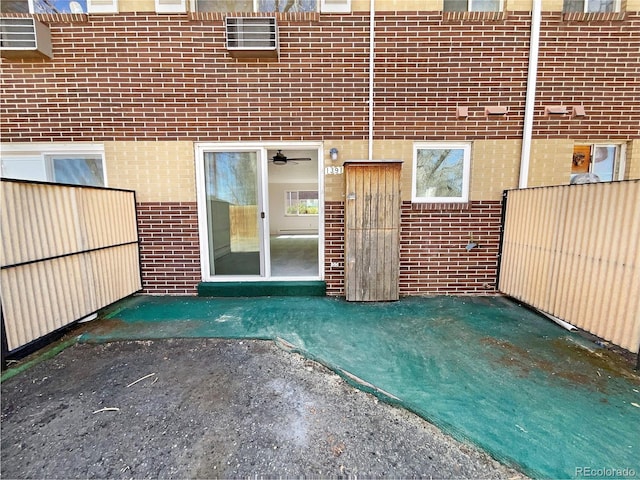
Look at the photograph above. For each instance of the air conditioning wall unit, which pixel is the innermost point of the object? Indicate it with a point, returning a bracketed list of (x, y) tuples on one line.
[(24, 37), (252, 36)]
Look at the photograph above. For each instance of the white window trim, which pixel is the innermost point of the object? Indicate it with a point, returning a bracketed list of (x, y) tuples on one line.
[(46, 150), (470, 7), (173, 6), (32, 7), (616, 7), (102, 6), (618, 161), (622, 161), (466, 171), (335, 7), (193, 7)]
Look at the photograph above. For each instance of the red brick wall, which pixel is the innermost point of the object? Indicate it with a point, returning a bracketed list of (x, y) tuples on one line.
[(426, 67), (334, 247), (169, 247), (591, 63), (433, 258), (147, 76)]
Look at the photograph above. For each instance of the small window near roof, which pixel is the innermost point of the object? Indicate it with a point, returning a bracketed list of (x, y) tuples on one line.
[(43, 6), (441, 172), (472, 5), (335, 6), (15, 6), (102, 6), (223, 5), (591, 6), (268, 6), (171, 6)]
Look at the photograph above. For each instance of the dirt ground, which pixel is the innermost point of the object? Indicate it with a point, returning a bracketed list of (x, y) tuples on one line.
[(206, 408)]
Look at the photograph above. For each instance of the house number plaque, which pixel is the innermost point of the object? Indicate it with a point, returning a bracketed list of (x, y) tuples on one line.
[(333, 170)]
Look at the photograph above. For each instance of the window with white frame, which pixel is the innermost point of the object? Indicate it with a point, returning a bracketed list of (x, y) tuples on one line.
[(58, 6), (597, 163), (60, 164), (269, 6), (301, 202), (473, 5), (335, 6), (171, 6), (589, 6), (441, 172), (15, 6)]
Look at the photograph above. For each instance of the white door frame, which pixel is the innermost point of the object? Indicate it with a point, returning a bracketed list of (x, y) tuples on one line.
[(263, 188)]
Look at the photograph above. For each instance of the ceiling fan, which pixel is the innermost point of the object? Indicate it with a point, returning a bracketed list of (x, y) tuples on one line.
[(280, 159)]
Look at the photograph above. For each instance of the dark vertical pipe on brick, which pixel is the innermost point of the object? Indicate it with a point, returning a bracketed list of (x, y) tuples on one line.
[(3, 334), (135, 210), (503, 213)]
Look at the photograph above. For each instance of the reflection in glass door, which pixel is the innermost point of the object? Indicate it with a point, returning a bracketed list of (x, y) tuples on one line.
[(233, 212), (604, 162)]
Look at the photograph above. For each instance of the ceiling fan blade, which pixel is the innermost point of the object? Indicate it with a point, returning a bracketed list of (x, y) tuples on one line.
[(280, 159)]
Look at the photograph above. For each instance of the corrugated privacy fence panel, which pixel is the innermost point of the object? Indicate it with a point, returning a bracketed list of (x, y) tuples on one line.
[(573, 252), (66, 252)]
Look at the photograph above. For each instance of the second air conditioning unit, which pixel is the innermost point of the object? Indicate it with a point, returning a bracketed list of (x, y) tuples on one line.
[(252, 36), (24, 37)]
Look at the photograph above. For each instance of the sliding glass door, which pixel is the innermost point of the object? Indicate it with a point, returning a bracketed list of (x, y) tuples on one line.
[(259, 215), (234, 213)]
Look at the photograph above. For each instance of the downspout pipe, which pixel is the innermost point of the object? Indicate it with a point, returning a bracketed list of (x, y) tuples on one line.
[(372, 25), (530, 101)]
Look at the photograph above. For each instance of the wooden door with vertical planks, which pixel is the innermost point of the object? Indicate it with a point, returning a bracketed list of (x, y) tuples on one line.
[(372, 231)]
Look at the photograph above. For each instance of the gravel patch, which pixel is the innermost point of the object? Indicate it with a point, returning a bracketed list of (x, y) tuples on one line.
[(208, 408)]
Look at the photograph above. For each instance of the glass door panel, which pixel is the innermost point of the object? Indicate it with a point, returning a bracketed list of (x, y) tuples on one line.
[(294, 245), (294, 214), (233, 213)]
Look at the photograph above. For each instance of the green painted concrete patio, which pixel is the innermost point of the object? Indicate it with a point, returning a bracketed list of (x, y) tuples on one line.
[(483, 369)]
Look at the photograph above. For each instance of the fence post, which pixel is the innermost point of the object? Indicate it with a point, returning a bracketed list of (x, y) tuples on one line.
[(5, 344), (505, 196)]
